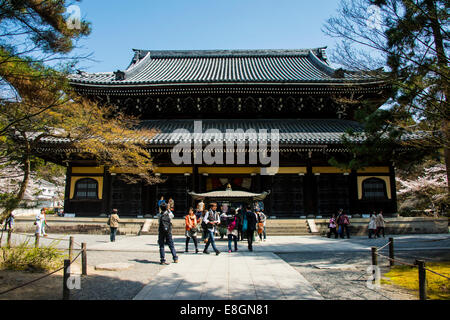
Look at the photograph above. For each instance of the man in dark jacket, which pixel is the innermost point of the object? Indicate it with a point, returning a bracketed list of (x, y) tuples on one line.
[(251, 226), (165, 234)]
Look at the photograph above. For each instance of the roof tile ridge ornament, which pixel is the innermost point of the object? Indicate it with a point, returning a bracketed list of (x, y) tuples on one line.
[(119, 75), (321, 64)]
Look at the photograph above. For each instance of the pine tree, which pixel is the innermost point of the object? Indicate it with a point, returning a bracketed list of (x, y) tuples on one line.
[(409, 40)]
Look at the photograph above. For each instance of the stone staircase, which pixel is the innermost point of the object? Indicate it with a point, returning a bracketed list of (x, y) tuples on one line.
[(274, 227)]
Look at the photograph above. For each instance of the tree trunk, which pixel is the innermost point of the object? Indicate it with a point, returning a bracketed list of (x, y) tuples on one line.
[(12, 205), (443, 66)]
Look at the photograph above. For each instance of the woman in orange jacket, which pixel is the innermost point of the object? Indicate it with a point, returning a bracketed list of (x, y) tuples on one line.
[(191, 229)]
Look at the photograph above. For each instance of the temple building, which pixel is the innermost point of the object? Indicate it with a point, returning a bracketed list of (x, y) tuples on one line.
[(293, 92)]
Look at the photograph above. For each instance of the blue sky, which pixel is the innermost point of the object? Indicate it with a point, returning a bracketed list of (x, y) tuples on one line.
[(120, 26)]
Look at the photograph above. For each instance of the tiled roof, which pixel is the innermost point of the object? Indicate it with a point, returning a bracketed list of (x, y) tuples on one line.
[(225, 66), (291, 131)]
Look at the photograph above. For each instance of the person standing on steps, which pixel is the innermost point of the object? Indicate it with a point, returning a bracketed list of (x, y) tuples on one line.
[(212, 220), (191, 229), (113, 223), (165, 234)]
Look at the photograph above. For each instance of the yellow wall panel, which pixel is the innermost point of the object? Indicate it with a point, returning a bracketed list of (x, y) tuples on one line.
[(168, 170), (329, 170), (87, 170), (374, 170)]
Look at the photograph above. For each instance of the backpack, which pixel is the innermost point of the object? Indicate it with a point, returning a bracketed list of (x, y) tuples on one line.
[(232, 224), (165, 224), (346, 220), (245, 223)]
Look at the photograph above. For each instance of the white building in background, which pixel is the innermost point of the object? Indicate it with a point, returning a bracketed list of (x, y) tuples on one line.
[(40, 193)]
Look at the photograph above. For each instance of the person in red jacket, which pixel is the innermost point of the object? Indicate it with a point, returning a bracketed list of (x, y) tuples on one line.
[(343, 222), (191, 229)]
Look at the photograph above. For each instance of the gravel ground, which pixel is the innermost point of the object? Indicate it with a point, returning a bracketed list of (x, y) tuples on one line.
[(118, 285), (334, 281), (98, 285)]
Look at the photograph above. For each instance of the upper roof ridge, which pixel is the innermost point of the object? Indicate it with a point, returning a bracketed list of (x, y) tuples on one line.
[(219, 53)]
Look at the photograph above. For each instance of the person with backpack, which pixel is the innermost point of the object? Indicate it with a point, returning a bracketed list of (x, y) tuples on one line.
[(212, 220), (249, 226), (261, 224), (191, 229), (343, 222), (113, 223), (232, 230), (165, 234)]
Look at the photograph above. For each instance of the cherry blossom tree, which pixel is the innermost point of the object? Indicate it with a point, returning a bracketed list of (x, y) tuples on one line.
[(431, 186)]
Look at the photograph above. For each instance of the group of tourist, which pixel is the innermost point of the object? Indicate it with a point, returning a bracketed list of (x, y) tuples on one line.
[(340, 225), (41, 223), (236, 224), (376, 225)]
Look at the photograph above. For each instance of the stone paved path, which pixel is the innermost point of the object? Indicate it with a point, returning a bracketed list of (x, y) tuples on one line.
[(229, 276)]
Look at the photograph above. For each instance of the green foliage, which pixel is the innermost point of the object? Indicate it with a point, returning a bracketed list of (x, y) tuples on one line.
[(409, 40), (379, 142), (27, 258)]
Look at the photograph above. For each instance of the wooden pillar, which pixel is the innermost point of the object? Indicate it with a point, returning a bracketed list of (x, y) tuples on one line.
[(310, 189), (393, 189), (353, 192), (67, 189), (272, 211), (107, 190)]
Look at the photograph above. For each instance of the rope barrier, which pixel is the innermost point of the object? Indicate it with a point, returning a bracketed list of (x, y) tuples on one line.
[(429, 240), (437, 273), (412, 265), (43, 277), (381, 248), (401, 262), (44, 237)]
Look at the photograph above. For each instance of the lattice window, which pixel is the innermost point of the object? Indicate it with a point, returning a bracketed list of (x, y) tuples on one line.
[(86, 189), (374, 189)]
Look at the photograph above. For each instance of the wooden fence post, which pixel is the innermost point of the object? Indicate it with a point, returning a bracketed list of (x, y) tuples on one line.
[(84, 259), (422, 279), (70, 248), (391, 252), (66, 290), (374, 256), (36, 241)]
